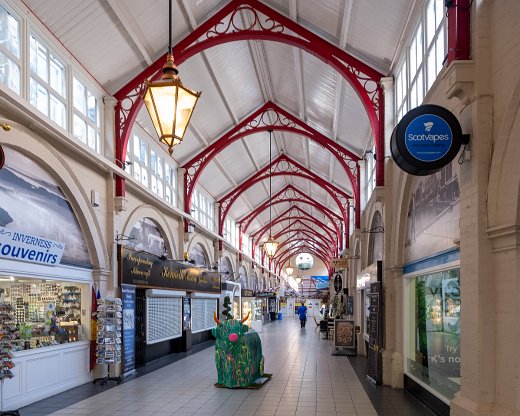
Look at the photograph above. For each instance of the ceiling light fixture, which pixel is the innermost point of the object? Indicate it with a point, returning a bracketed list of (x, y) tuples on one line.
[(271, 244), (169, 103)]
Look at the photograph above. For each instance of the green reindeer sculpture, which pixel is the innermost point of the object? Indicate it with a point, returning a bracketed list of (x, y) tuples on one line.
[(238, 353)]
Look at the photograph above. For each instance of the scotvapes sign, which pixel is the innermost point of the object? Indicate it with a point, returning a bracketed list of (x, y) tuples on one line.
[(426, 139)]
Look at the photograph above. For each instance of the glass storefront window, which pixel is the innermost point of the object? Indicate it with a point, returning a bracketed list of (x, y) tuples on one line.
[(433, 353), (47, 312)]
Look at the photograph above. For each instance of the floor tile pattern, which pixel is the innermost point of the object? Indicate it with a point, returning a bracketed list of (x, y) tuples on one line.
[(307, 381)]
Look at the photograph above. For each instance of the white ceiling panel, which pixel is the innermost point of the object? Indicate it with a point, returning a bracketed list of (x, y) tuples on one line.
[(114, 40), (324, 19), (320, 97), (376, 27), (353, 123), (282, 69), (235, 73)]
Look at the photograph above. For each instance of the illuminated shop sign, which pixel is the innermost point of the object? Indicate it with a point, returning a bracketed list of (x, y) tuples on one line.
[(426, 139), (25, 247)]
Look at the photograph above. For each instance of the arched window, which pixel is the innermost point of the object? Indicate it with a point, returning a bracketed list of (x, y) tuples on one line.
[(199, 255), (375, 242), (146, 236)]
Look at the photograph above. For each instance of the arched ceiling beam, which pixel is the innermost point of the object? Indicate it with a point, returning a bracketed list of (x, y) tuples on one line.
[(269, 116), (292, 194), (226, 25), (282, 166), (309, 238), (305, 229)]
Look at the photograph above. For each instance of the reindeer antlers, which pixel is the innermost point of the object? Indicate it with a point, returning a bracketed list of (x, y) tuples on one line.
[(215, 318), (245, 319)]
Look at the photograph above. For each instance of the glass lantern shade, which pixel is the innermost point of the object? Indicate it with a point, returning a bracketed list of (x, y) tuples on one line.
[(170, 105), (270, 246), (289, 270)]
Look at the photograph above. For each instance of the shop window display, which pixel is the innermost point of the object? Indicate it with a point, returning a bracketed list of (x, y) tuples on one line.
[(46, 312), (434, 331)]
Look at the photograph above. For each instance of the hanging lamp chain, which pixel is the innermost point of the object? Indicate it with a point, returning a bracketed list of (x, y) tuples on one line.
[(170, 27), (270, 179)]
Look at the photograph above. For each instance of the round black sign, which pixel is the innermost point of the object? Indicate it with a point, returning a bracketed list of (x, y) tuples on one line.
[(426, 139), (2, 157), (338, 282)]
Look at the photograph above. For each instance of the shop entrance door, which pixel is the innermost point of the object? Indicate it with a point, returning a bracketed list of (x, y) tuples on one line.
[(140, 328)]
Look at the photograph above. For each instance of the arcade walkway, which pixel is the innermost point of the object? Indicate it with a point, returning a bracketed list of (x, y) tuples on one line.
[(307, 380)]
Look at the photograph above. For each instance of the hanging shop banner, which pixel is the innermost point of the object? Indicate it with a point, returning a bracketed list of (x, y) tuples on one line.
[(147, 270), (426, 139), (128, 295), (339, 263), (16, 245), (321, 282)]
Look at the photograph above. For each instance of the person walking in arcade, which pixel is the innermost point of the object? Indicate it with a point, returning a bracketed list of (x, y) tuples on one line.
[(302, 314)]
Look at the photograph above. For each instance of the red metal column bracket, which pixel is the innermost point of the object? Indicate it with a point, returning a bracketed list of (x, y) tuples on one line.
[(459, 33)]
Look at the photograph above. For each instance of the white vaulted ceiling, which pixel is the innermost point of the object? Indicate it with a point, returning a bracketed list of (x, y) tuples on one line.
[(117, 39)]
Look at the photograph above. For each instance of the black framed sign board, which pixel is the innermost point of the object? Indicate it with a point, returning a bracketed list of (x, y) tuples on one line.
[(375, 335), (426, 139)]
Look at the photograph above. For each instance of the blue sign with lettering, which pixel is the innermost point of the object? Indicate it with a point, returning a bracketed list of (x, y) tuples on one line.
[(128, 293), (428, 137)]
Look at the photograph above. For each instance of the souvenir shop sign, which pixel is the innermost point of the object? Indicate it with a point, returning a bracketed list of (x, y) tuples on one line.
[(146, 270), (339, 263), (427, 138), (16, 245)]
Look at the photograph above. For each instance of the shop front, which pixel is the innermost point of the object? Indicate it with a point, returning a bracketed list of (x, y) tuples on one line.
[(432, 301), (45, 284), (174, 304), (270, 305)]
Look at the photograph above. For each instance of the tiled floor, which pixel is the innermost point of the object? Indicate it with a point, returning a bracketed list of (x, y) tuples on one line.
[(307, 380)]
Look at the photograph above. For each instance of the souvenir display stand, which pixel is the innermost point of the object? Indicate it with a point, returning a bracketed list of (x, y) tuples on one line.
[(109, 322), (7, 334)]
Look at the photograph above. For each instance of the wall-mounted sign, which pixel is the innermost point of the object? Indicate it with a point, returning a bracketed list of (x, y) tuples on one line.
[(265, 294), (2, 157), (128, 298), (339, 263), (248, 293), (426, 139), (146, 270), (338, 282), (16, 245)]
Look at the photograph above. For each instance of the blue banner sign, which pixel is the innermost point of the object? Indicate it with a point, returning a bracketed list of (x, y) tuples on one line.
[(128, 295), (16, 245), (322, 282)]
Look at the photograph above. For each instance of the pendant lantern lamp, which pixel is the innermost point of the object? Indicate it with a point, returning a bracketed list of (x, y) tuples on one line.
[(289, 269), (169, 103), (271, 244)]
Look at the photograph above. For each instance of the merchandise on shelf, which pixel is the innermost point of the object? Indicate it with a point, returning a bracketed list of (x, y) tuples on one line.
[(45, 312), (8, 332), (109, 321)]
